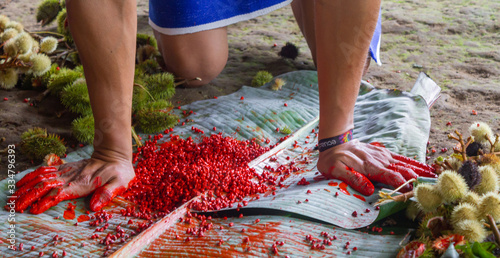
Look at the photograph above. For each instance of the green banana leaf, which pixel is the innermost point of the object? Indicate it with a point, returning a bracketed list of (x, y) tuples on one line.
[(397, 119)]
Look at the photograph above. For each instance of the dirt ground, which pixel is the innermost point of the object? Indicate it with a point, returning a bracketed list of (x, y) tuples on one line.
[(454, 41)]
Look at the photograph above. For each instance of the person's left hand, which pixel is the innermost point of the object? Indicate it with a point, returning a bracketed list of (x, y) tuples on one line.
[(357, 163)]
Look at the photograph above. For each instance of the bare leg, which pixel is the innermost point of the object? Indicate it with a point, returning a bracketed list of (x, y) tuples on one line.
[(104, 33), (201, 54), (343, 33), (303, 10)]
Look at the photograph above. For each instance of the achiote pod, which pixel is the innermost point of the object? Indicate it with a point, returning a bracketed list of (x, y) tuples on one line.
[(428, 197), (489, 180), (463, 211), (471, 198), (452, 186), (489, 204), (472, 230), (481, 130)]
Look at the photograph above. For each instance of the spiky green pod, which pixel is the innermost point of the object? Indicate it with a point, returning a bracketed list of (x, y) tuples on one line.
[(24, 42), (41, 64), (496, 168), (33, 132), (62, 25), (452, 186), (36, 144), (30, 81), (489, 180), (61, 79), (261, 78), (8, 34), (140, 98), (45, 78), (3, 22), (149, 66), (16, 25), (479, 130), (8, 78), (156, 105), (146, 52), (489, 204), (79, 69), (461, 212), (155, 121), (428, 197), (83, 129), (10, 48), (144, 39), (47, 11), (75, 97), (48, 45), (160, 85), (472, 230), (471, 198)]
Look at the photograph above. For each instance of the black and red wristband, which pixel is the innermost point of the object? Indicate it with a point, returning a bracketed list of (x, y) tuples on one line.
[(325, 144)]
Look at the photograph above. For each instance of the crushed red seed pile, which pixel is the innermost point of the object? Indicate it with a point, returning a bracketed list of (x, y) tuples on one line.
[(172, 173)]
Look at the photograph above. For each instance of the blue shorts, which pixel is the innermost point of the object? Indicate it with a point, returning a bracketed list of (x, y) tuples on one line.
[(188, 16)]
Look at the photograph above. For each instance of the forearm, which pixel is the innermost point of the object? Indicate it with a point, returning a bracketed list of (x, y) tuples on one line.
[(343, 33), (105, 35)]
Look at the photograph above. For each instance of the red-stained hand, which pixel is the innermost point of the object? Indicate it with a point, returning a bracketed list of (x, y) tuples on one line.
[(47, 186), (358, 164)]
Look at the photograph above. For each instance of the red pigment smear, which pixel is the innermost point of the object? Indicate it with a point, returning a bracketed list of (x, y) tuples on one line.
[(343, 188), (319, 178), (331, 183), (83, 218), (69, 213), (359, 197)]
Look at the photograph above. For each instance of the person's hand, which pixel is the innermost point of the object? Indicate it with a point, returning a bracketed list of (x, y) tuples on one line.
[(47, 186), (357, 163)]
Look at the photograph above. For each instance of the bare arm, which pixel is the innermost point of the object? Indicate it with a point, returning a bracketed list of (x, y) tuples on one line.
[(343, 31)]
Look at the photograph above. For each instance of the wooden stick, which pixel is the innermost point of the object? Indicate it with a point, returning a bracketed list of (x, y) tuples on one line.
[(494, 227), (137, 244)]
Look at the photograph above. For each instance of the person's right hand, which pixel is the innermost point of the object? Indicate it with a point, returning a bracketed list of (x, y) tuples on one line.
[(357, 164), (47, 186)]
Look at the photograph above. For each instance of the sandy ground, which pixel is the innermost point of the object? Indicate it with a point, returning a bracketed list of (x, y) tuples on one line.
[(455, 42)]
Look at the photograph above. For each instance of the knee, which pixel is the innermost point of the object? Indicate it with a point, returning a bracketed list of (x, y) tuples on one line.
[(200, 55), (196, 70)]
